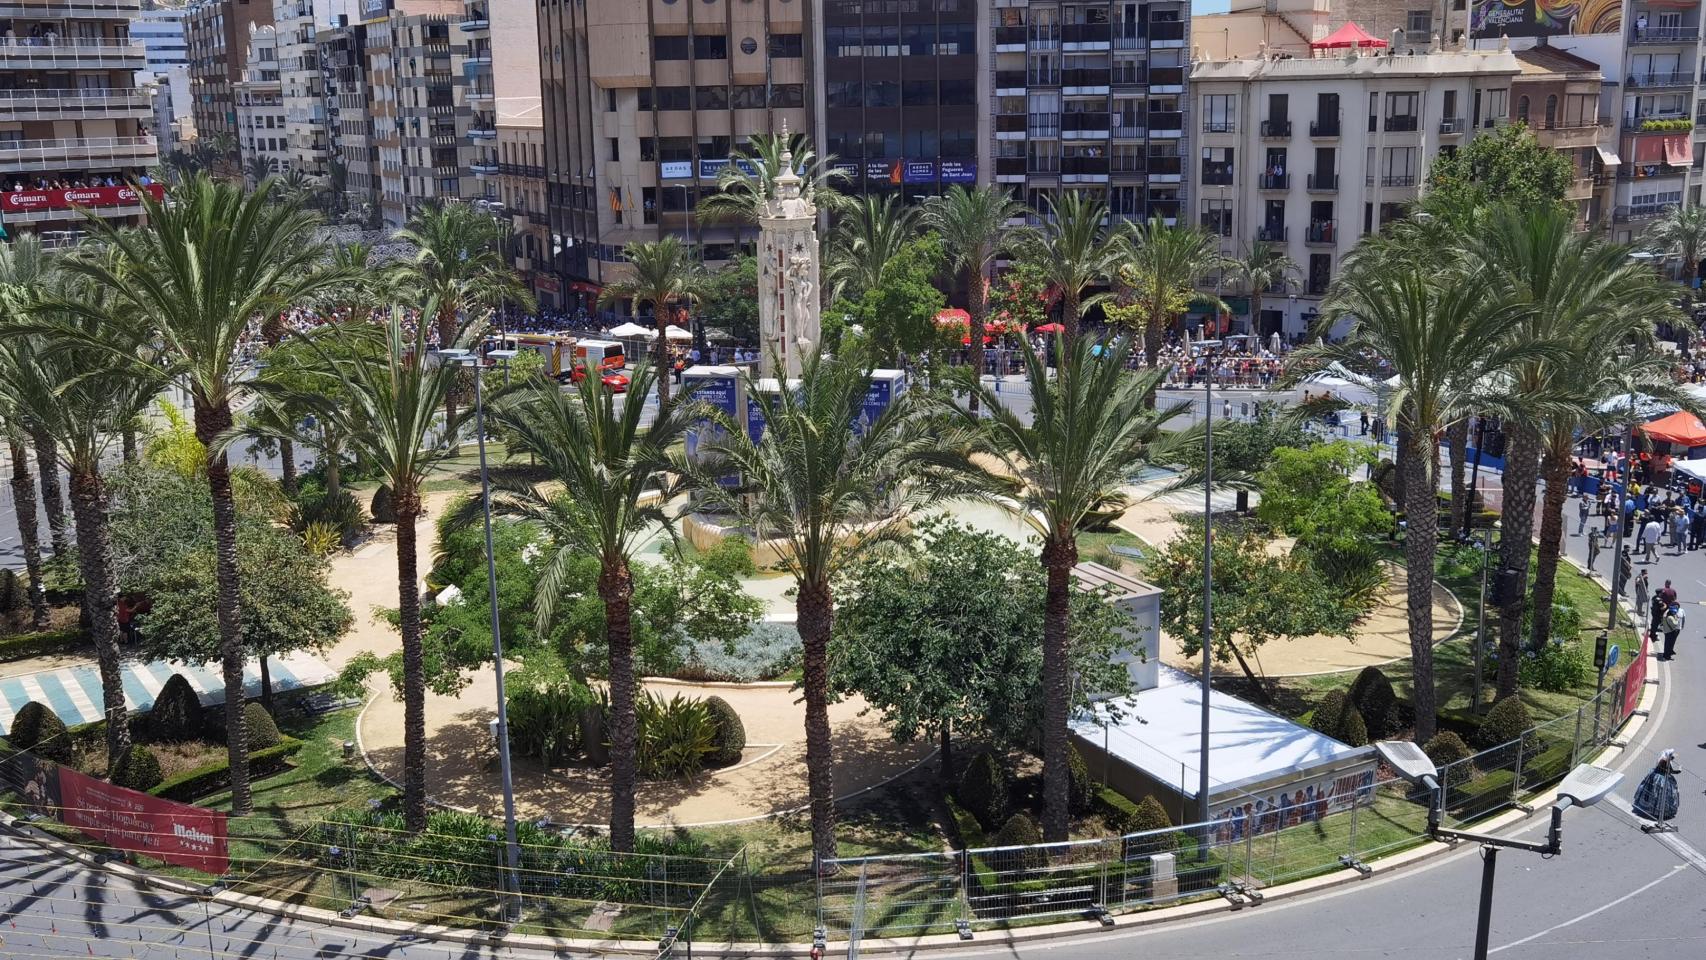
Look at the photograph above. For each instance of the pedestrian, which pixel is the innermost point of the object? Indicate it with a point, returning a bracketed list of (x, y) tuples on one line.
[(1624, 565), (1593, 548), (1667, 593), (1671, 625), (1643, 591), (1697, 526), (1657, 797), (1651, 531), (1582, 511), (1364, 423)]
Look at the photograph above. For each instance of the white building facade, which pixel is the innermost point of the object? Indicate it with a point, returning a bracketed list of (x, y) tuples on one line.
[(261, 130)]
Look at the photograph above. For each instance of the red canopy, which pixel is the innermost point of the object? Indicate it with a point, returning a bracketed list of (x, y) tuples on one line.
[(953, 315), (1680, 427), (1048, 328), (1349, 35)]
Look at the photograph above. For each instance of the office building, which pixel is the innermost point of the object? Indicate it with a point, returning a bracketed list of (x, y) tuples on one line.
[(643, 100), (72, 117), (174, 124), (1091, 96), (1312, 154), (299, 23), (216, 33), (161, 30), (420, 118), (260, 106), (904, 104)]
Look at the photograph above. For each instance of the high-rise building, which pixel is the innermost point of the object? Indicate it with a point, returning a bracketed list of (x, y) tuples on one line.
[(73, 115), (904, 103), (307, 126), (509, 169), (260, 105), (161, 30), (416, 102), (349, 124), (643, 101), (216, 33), (1091, 96)]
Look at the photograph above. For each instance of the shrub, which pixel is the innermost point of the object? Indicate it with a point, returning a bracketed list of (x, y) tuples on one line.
[(544, 721), (1373, 696), (1327, 713), (341, 512), (1556, 668), (138, 769), (1506, 721), (1151, 816), (1445, 749), (982, 790), (1117, 810), (1079, 786), (22, 645), (211, 778), (263, 732), (383, 506), (676, 735), (768, 651), (176, 715), (1352, 730), (731, 733), (1020, 831), (38, 729), (11, 591)]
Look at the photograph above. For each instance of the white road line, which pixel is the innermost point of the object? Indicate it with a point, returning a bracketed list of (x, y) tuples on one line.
[(1594, 912)]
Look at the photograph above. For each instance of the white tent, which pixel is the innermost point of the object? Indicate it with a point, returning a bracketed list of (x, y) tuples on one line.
[(1644, 407), (674, 332), (627, 330)]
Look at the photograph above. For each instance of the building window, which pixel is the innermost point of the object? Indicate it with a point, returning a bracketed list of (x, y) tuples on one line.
[(1217, 166), (785, 46), (713, 47), (1217, 111), (669, 48), (1217, 217)]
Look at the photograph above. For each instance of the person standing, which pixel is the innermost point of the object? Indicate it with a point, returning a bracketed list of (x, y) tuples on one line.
[(1625, 564), (1582, 511), (1697, 526), (1650, 533), (1643, 591), (1671, 625), (1678, 530), (1593, 548)]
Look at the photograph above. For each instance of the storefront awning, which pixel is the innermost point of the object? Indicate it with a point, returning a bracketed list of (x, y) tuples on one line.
[(1607, 157), (1679, 151)]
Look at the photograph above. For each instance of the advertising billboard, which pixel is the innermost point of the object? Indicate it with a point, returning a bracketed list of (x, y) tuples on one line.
[(1491, 19), (959, 171), (886, 385), (719, 388), (677, 169), (372, 10), (23, 201)]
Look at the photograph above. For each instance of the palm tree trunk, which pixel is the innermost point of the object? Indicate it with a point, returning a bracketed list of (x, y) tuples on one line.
[(29, 530), (1421, 541), (1059, 557), (1152, 340), (1401, 473), (446, 337), (210, 421), (616, 589), (1557, 471), (1457, 444), (1255, 311), (414, 663), (47, 473), (1069, 318), (945, 756), (662, 358), (1516, 540), (815, 613), (95, 562), (127, 441), (287, 467), (977, 305)]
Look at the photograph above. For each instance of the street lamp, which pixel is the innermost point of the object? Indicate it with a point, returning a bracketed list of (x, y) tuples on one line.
[(1583, 787), (462, 358), (1481, 616), (503, 357), (1207, 589)]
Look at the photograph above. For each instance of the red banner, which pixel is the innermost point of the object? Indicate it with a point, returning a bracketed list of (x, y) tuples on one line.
[(142, 823), (22, 201), (1635, 680)]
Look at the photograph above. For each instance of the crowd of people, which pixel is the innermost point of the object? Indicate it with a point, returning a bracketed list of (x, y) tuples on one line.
[(73, 183)]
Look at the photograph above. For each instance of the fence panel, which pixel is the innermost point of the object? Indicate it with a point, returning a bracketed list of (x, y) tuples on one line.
[(1012, 884), (903, 895)]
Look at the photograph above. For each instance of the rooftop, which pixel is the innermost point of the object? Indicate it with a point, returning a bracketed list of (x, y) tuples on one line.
[(1364, 65), (1550, 60)]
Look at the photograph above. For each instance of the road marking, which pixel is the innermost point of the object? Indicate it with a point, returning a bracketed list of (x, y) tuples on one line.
[(1591, 913)]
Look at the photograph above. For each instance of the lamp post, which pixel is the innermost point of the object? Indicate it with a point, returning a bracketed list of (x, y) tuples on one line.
[(512, 911), (1207, 592), (1585, 786), (1481, 616)]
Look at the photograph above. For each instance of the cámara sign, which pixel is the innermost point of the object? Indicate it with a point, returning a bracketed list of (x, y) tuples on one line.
[(24, 201)]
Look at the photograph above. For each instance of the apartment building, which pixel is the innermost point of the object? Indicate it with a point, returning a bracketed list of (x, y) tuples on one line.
[(904, 105), (643, 100), (73, 120), (1311, 154), (1092, 96), (420, 119), (260, 105), (299, 23), (351, 153), (216, 33), (161, 30), (1557, 96)]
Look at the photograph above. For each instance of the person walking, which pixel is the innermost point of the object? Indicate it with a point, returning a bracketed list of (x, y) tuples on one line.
[(1625, 565), (1678, 530), (1582, 512), (1651, 531), (1593, 549), (1643, 592), (1671, 625)]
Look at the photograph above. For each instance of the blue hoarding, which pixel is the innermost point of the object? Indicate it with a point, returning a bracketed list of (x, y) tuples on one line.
[(721, 391), (920, 171), (959, 171)]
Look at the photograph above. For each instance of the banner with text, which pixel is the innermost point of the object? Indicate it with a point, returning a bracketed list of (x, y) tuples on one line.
[(24, 201)]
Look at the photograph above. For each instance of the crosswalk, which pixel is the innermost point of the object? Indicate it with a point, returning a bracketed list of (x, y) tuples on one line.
[(74, 693)]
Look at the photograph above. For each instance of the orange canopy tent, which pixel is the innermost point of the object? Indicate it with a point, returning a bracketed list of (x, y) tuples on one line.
[(1680, 427), (1349, 35)]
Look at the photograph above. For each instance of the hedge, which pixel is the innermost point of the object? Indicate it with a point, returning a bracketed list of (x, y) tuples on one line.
[(193, 784), (1117, 810), (22, 645)]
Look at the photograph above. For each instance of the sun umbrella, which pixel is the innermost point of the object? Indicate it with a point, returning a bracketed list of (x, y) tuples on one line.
[(1048, 328), (674, 332), (631, 330), (952, 316)]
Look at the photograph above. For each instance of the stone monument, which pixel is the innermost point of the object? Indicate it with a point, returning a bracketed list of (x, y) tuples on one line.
[(789, 327)]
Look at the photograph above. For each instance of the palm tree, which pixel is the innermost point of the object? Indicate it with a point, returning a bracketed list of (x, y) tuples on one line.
[(825, 488), (24, 265), (973, 226), (1073, 250), (459, 265), (80, 397), (1089, 430), (663, 273), (1681, 232), (387, 406), (258, 169), (614, 477), (864, 242), (1163, 266), (1264, 267), (210, 259), (748, 182), (1441, 334)]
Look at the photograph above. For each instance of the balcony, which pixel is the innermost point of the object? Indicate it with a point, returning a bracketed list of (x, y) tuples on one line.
[(483, 168), (1010, 37), (92, 9), (1086, 79), (482, 133), (29, 155), (1324, 129), (1322, 183), (1010, 123), (1317, 286), (1043, 125), (1274, 181), (1084, 167), (1127, 163), (1167, 32), (1396, 181), (1166, 123), (1045, 164), (1128, 128), (72, 53), (1166, 77), (1218, 177), (475, 18), (59, 103), (1580, 188), (1009, 166), (1084, 126), (1272, 234), (1127, 74), (1276, 129), (1219, 126), (1676, 121), (1085, 36), (1655, 36), (1650, 81), (1402, 124), (1010, 80), (1322, 233), (1453, 126), (1641, 211), (1164, 166)]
